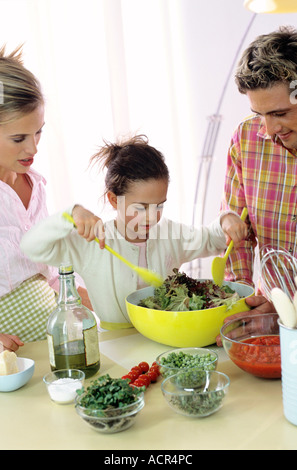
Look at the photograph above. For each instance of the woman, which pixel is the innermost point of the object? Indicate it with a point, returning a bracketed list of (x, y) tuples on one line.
[(27, 296)]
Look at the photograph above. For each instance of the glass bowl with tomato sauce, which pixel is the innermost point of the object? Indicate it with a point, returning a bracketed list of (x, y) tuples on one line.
[(252, 342)]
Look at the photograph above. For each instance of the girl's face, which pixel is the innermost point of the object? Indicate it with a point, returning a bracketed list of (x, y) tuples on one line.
[(140, 209), (18, 142)]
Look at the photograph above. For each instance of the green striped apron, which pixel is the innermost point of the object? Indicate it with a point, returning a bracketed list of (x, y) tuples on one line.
[(24, 311)]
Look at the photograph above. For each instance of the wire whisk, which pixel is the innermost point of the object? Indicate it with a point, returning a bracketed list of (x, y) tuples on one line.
[(278, 268)]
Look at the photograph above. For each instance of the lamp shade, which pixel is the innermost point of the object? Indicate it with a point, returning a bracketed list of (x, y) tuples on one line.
[(271, 6)]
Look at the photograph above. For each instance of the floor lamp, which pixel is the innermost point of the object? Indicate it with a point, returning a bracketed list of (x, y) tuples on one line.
[(214, 122), (271, 6)]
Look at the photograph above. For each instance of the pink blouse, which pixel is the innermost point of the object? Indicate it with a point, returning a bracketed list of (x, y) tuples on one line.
[(15, 220)]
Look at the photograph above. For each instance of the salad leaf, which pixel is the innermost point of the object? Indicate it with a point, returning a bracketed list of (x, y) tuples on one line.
[(180, 292)]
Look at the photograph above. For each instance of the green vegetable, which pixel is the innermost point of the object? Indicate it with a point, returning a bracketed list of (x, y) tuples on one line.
[(109, 405), (170, 364), (105, 393), (199, 404), (191, 379), (182, 293)]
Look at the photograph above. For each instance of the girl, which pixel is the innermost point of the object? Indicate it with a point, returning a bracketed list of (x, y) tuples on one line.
[(26, 295), (136, 186)]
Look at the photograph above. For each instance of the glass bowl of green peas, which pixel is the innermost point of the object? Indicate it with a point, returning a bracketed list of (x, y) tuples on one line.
[(174, 360), (196, 393)]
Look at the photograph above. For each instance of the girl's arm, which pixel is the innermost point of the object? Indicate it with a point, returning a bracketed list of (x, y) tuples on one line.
[(88, 225), (210, 240), (51, 241)]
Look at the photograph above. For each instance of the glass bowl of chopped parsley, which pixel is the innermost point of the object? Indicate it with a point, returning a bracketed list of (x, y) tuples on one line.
[(109, 405), (196, 393), (174, 360)]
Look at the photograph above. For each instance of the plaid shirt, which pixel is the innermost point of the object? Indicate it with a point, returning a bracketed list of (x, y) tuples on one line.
[(262, 176)]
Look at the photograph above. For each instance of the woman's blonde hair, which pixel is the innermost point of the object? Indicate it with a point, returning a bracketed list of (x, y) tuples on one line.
[(269, 59), (20, 91)]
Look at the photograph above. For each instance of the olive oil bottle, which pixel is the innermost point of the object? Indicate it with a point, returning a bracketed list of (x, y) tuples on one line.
[(72, 330)]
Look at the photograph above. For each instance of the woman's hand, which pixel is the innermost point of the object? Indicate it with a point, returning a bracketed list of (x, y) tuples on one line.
[(234, 228), (89, 226), (258, 304), (10, 342)]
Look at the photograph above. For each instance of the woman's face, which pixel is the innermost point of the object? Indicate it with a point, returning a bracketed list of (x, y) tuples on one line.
[(140, 209), (18, 142)]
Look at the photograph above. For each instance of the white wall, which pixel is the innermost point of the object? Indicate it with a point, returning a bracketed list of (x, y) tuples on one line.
[(213, 31)]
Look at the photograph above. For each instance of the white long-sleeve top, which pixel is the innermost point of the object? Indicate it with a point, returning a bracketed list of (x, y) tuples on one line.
[(108, 280)]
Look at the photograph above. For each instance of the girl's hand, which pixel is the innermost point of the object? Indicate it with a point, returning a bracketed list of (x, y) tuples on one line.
[(10, 342), (89, 226), (234, 228)]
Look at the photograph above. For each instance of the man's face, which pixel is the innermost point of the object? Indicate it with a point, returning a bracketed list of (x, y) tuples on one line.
[(278, 113)]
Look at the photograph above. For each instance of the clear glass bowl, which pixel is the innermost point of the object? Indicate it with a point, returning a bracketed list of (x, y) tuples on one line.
[(174, 360), (252, 342), (110, 420), (196, 393), (62, 385)]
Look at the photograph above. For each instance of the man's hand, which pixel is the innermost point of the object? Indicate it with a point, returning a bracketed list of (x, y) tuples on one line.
[(258, 304)]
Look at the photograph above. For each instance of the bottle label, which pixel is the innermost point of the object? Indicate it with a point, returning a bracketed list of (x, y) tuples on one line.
[(91, 343), (50, 342)]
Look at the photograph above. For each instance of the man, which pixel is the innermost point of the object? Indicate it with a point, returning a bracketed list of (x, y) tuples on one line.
[(262, 159)]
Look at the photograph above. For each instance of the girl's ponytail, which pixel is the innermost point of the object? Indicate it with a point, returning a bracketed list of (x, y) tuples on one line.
[(130, 161)]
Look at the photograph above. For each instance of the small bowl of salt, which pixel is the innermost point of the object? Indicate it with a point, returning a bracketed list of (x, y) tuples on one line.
[(62, 385)]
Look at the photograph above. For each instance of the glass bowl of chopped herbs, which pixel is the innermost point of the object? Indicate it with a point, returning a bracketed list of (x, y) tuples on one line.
[(109, 405), (174, 360), (196, 393)]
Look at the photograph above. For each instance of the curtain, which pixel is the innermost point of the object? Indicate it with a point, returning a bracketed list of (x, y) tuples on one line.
[(108, 68)]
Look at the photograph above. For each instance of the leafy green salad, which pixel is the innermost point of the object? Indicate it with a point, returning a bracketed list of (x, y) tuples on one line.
[(182, 293)]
